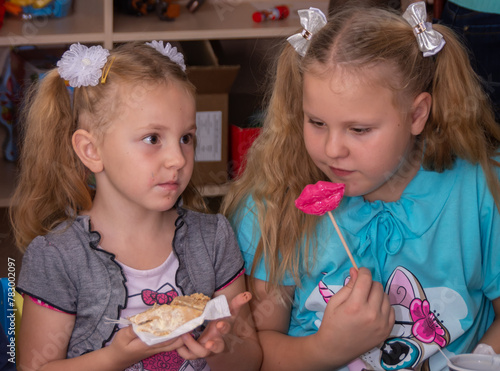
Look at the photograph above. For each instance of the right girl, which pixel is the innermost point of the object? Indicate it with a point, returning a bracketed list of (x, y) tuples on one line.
[(393, 110)]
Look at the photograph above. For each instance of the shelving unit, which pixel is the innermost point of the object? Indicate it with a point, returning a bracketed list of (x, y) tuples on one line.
[(94, 22), (90, 22)]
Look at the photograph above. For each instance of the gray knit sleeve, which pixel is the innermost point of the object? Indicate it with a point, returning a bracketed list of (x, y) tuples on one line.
[(229, 263), (46, 275)]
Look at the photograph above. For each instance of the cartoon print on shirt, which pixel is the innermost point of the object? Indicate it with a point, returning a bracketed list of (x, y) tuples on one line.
[(169, 361), (165, 360), (160, 296), (419, 330)]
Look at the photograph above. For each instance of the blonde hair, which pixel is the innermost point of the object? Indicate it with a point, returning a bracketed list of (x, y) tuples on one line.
[(53, 184), (278, 167)]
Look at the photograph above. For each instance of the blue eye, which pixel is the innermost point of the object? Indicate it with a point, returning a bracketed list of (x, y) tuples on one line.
[(151, 139), (187, 139)]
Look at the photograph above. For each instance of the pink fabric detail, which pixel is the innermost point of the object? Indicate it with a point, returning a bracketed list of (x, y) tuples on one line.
[(151, 297), (45, 305), (401, 291), (234, 279), (426, 328), (163, 361), (325, 292)]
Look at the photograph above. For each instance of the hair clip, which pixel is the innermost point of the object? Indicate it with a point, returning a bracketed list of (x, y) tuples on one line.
[(82, 66), (430, 42), (312, 20), (106, 69), (169, 51)]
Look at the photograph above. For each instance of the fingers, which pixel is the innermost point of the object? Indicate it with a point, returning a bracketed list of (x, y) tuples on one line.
[(345, 292), (169, 345), (223, 327), (192, 349), (361, 291), (216, 345), (126, 335), (239, 301), (353, 273), (364, 287)]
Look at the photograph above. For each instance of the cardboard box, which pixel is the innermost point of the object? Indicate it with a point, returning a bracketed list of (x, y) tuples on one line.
[(213, 83)]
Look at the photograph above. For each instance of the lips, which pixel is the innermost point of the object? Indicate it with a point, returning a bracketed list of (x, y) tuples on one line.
[(340, 172), (169, 185)]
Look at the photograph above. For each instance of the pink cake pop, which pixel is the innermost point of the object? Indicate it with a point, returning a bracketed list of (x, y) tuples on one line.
[(320, 198)]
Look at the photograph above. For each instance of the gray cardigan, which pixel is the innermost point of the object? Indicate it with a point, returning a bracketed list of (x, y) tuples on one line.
[(68, 271)]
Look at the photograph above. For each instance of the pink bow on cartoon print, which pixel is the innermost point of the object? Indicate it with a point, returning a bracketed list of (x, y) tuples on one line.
[(150, 297)]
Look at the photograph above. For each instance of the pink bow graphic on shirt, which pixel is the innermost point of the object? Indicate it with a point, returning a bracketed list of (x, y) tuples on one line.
[(150, 297)]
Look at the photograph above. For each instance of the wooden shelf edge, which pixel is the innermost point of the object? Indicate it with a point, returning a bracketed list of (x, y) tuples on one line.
[(17, 40), (214, 190), (212, 21)]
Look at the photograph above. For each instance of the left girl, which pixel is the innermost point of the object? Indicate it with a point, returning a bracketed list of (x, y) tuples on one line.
[(110, 251)]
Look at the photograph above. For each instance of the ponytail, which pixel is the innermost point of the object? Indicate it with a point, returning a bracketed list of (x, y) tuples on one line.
[(461, 123), (52, 182), (277, 169)]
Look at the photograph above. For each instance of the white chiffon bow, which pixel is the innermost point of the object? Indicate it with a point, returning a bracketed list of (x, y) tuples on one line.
[(312, 20)]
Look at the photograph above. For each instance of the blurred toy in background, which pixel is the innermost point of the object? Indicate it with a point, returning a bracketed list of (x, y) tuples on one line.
[(194, 5), (273, 14), (13, 9), (9, 90), (141, 7), (29, 9), (167, 10)]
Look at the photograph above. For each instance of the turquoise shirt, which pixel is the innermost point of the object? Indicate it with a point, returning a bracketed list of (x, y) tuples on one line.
[(486, 6), (436, 251)]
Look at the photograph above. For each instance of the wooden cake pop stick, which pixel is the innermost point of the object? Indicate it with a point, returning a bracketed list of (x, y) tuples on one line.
[(321, 198), (342, 240)]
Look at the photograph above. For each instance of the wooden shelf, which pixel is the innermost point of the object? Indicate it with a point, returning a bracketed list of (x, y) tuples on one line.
[(85, 24), (208, 22), (93, 21)]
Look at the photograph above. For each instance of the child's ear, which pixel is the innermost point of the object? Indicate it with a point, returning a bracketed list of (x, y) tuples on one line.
[(421, 109), (85, 147)]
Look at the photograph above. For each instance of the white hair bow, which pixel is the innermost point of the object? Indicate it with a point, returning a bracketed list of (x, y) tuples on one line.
[(81, 65), (430, 42), (170, 52), (312, 20)]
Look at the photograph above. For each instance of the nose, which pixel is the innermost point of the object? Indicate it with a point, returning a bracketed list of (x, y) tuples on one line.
[(336, 145), (174, 157)]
